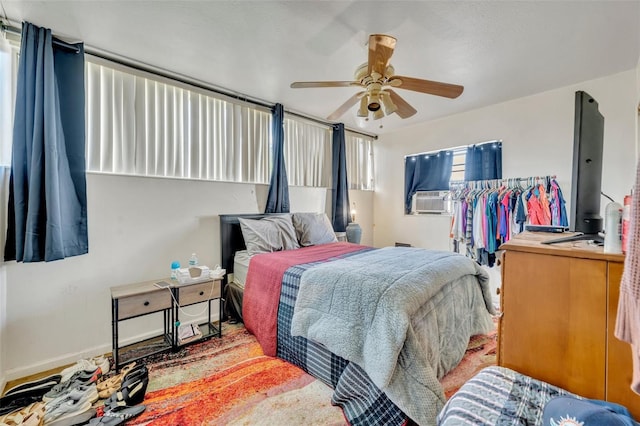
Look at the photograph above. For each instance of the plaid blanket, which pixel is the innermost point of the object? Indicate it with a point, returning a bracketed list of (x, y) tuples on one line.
[(499, 396), (361, 401)]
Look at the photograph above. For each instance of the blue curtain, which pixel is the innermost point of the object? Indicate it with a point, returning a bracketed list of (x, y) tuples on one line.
[(278, 199), (483, 161), (48, 198), (340, 217), (426, 172)]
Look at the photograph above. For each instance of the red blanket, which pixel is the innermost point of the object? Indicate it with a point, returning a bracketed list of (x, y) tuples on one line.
[(264, 280)]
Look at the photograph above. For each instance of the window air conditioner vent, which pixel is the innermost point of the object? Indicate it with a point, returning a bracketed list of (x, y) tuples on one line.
[(432, 202)]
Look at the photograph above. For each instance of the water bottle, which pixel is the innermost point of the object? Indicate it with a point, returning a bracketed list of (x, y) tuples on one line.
[(193, 260), (175, 265)]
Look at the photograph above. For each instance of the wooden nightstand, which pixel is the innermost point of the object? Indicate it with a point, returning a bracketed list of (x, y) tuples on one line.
[(135, 300)]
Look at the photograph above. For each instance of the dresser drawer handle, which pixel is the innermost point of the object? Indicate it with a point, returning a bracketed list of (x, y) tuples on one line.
[(202, 293), (146, 303)]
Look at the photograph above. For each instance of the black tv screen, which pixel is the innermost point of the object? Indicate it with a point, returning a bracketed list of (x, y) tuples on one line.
[(586, 178)]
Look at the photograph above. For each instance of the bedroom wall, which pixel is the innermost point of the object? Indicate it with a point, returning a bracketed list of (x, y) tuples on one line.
[(59, 312), (537, 135)]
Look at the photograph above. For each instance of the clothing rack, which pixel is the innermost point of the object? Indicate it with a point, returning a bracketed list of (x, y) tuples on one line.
[(487, 213), (495, 183)]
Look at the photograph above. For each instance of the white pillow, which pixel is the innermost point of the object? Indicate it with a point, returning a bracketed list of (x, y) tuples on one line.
[(313, 229), (274, 233)]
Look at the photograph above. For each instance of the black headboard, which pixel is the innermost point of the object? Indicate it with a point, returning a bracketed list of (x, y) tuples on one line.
[(231, 239)]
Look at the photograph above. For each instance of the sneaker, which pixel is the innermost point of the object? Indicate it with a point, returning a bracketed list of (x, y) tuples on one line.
[(79, 378), (102, 362), (69, 413), (80, 394), (80, 365)]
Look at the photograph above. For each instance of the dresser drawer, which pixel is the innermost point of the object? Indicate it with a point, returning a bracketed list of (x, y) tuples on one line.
[(140, 304), (194, 293)]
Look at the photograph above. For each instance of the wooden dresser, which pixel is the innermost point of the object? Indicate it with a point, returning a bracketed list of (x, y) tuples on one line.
[(559, 305)]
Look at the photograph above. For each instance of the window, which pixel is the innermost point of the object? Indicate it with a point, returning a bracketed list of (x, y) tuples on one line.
[(142, 124), (440, 170), (457, 170), (9, 53), (307, 152), (359, 153)]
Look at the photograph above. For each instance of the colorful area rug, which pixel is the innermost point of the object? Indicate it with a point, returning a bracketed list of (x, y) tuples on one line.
[(230, 381)]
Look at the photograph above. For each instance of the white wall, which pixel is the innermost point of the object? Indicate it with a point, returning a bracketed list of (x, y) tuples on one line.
[(537, 135), (60, 311)]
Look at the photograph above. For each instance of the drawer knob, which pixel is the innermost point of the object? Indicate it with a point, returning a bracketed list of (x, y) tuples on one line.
[(146, 303), (202, 293)]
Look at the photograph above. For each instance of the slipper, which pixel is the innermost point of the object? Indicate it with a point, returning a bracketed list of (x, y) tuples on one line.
[(118, 415), (116, 380)]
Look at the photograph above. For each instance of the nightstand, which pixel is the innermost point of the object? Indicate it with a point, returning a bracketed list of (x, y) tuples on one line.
[(190, 294), (135, 300), (131, 301)]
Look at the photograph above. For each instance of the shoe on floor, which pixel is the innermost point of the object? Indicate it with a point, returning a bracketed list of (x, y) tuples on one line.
[(86, 365), (69, 412), (79, 394), (45, 382), (79, 378), (118, 415), (102, 362)]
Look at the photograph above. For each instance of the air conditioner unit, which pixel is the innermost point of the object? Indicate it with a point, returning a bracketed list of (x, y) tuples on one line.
[(432, 202)]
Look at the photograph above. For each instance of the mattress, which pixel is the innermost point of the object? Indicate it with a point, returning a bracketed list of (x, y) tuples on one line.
[(241, 267)]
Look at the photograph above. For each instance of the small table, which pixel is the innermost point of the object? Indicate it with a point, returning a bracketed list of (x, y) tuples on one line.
[(135, 300)]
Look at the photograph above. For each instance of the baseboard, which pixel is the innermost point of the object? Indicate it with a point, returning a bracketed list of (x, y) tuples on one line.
[(70, 358)]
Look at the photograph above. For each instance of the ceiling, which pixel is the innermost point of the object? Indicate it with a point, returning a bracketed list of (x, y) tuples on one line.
[(497, 50)]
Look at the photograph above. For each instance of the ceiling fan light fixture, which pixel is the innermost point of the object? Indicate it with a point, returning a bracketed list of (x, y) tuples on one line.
[(378, 114), (363, 111), (389, 106)]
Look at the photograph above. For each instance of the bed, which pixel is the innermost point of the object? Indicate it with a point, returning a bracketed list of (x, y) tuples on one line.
[(384, 350)]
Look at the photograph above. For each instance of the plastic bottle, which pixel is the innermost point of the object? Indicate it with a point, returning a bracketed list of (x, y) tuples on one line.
[(193, 260), (175, 265), (613, 228)]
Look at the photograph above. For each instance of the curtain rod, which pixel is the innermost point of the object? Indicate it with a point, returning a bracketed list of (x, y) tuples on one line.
[(455, 149), (56, 41), (141, 66)]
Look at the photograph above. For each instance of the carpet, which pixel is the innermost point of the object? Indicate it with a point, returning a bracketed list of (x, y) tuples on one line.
[(230, 381)]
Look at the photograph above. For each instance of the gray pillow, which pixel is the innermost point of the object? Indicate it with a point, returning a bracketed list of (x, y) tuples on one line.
[(269, 234), (313, 229)]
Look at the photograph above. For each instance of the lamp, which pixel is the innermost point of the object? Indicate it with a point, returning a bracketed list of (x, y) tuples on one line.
[(378, 114), (353, 230), (363, 111), (389, 106)]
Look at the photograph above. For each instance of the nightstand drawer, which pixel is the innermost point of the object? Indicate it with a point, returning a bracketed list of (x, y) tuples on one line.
[(195, 293), (140, 304)]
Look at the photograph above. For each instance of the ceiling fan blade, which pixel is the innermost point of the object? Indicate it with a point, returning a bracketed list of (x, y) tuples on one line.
[(345, 106), (306, 84), (380, 50), (404, 109), (426, 86)]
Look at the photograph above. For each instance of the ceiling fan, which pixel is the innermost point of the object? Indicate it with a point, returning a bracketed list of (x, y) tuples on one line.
[(377, 77)]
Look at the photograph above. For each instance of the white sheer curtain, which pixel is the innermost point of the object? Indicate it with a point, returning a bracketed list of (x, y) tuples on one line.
[(359, 153), (140, 125), (307, 153), (8, 67)]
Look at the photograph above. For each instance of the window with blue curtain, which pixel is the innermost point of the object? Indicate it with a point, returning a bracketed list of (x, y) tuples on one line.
[(426, 172), (483, 161)]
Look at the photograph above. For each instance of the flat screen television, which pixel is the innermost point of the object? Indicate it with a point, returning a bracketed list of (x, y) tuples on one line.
[(586, 175)]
